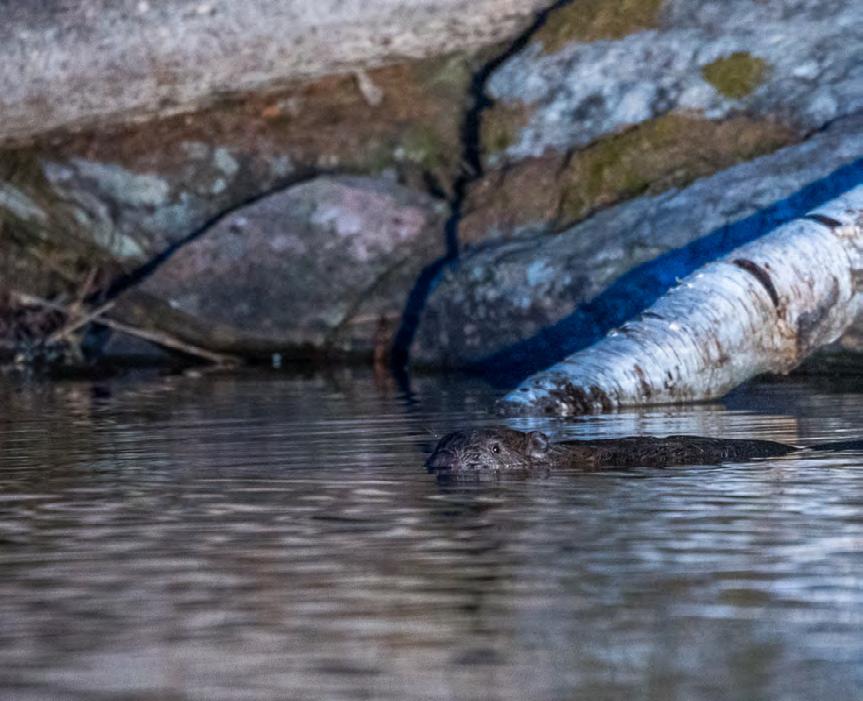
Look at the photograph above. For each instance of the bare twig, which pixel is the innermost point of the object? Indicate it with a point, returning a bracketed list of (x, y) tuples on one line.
[(168, 341), (77, 323), (157, 337), (28, 300), (83, 290)]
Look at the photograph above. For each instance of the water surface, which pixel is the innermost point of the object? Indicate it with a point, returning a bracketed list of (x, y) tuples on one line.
[(265, 537)]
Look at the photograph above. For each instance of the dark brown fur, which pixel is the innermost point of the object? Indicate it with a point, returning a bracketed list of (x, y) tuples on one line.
[(504, 449)]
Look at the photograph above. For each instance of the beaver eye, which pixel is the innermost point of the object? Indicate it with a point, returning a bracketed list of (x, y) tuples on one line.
[(495, 448)]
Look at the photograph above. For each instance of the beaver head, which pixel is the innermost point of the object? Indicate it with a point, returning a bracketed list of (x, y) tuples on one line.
[(495, 449)]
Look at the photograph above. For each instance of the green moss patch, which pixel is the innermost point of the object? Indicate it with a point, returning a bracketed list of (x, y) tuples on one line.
[(670, 151), (555, 192), (501, 124), (521, 195), (737, 75), (424, 146), (592, 20)]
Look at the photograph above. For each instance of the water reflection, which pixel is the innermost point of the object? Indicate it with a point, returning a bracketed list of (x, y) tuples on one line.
[(262, 537)]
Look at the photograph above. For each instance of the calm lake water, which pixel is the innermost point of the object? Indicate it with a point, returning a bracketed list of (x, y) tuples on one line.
[(264, 537)]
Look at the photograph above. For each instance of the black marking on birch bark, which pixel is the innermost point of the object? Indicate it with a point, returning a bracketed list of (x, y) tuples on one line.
[(808, 323), (761, 275), (669, 381), (829, 222), (722, 358), (646, 389), (578, 400)]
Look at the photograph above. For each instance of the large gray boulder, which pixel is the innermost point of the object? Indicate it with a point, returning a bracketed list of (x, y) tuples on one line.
[(68, 65), (189, 111), (798, 61), (323, 267)]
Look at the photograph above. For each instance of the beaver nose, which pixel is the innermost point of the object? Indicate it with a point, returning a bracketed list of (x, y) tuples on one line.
[(442, 460)]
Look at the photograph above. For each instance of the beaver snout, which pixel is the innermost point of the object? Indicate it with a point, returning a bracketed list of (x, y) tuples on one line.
[(442, 460), (448, 453)]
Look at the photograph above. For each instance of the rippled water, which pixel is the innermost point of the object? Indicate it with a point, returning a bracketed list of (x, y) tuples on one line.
[(256, 537)]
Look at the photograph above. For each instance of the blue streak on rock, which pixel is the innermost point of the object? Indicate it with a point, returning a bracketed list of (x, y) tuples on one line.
[(638, 289)]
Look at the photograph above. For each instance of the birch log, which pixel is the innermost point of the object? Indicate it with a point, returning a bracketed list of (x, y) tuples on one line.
[(762, 309)]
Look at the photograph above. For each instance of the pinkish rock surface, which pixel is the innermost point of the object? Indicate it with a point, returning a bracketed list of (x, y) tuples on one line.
[(319, 266)]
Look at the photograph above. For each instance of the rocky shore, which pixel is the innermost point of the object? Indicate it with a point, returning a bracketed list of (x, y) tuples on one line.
[(490, 186)]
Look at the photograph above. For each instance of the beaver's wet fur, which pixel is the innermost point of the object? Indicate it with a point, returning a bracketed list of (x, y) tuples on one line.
[(508, 450)]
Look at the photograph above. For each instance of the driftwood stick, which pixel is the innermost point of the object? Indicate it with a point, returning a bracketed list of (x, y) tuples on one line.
[(29, 300), (157, 337), (762, 309), (76, 323), (167, 341)]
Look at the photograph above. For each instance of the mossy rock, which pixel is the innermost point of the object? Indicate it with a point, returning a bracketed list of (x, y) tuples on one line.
[(501, 125), (592, 20), (737, 75), (670, 151), (45, 249), (424, 146), (553, 192)]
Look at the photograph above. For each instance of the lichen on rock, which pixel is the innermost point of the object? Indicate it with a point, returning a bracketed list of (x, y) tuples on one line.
[(592, 20), (614, 100), (776, 60), (736, 75), (499, 128), (670, 151), (42, 232), (554, 192)]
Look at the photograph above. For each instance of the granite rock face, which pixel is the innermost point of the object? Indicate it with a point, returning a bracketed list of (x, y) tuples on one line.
[(520, 304), (133, 192), (322, 267), (794, 60), (102, 204), (612, 100), (67, 65)]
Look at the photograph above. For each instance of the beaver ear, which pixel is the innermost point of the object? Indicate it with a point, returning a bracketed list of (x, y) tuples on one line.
[(538, 442)]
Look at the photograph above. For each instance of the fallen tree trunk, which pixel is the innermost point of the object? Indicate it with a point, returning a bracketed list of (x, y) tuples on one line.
[(762, 309)]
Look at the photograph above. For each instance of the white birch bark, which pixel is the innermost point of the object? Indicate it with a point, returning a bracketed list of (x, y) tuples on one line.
[(761, 309)]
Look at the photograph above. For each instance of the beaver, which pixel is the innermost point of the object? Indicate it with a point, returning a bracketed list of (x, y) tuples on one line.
[(508, 450)]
